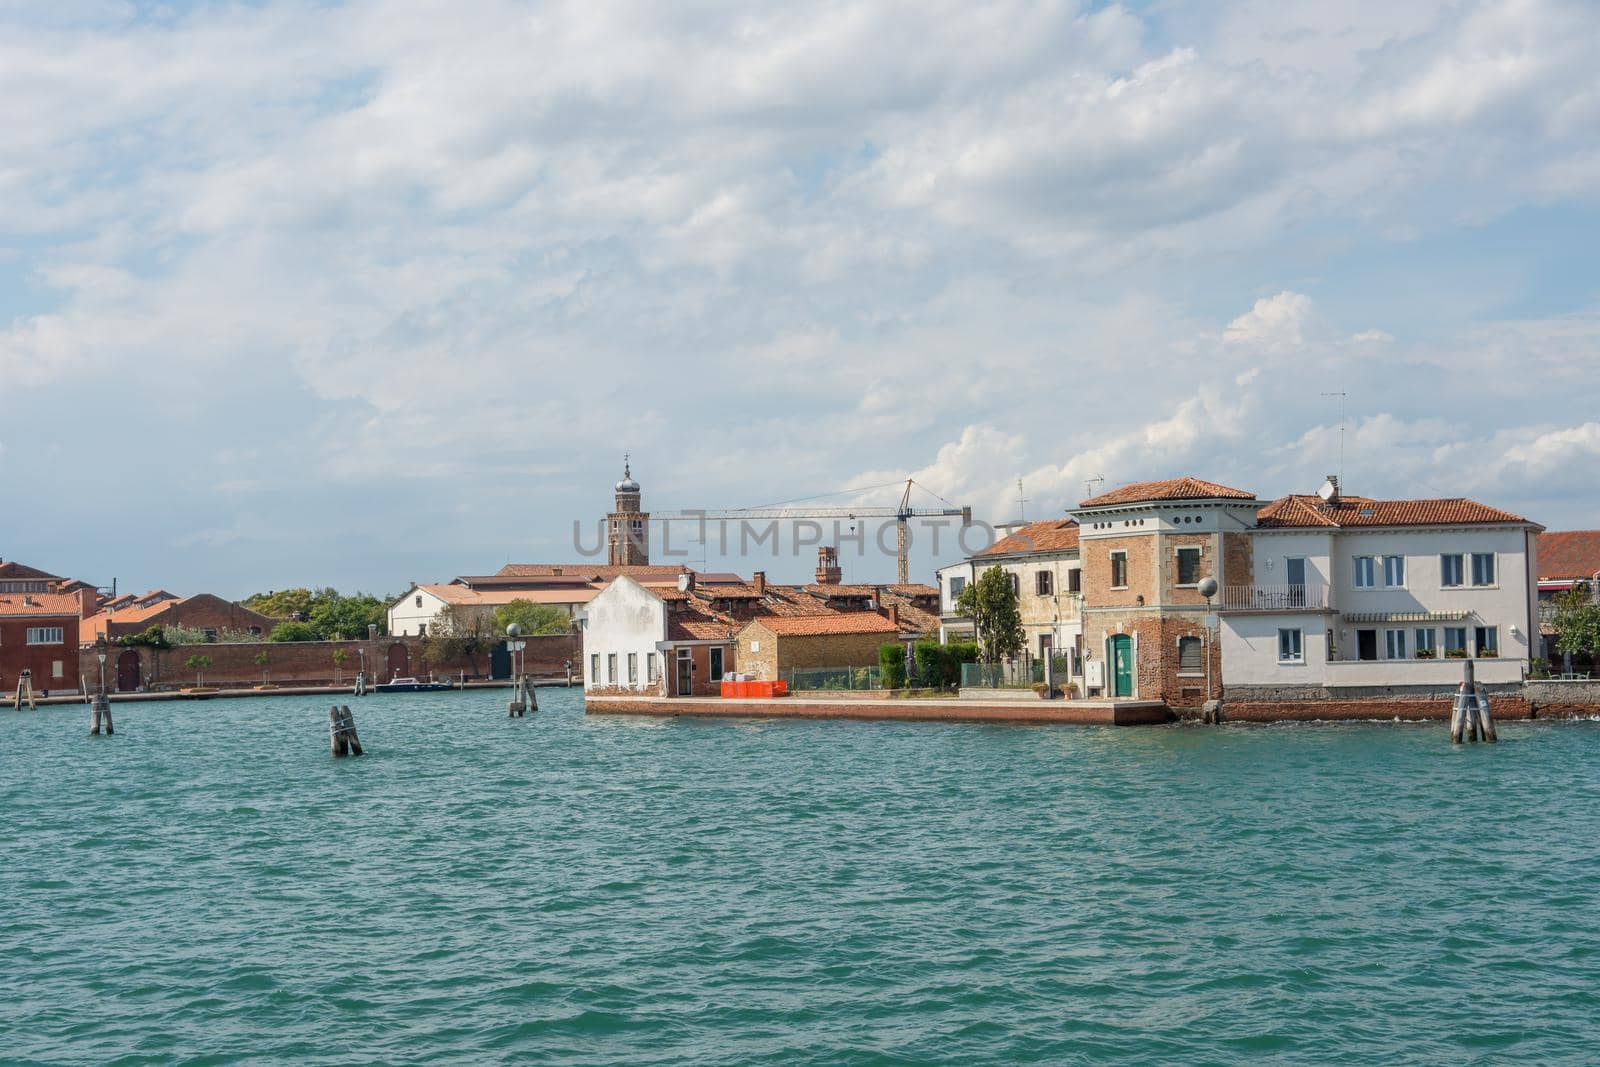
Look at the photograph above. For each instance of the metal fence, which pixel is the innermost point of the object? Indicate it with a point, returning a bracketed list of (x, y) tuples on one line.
[(1014, 674), (834, 678)]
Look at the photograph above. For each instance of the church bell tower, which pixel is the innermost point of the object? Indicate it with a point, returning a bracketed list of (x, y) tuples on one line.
[(627, 528)]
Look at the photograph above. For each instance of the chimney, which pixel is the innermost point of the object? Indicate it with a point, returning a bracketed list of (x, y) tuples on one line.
[(27, 601), (894, 614), (686, 581), (828, 572), (761, 583)]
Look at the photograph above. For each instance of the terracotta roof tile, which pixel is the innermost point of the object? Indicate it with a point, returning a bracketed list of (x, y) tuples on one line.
[(1311, 511), (845, 622), (1050, 535), (45, 604), (15, 571), (816, 589), (1569, 554), (1169, 489)]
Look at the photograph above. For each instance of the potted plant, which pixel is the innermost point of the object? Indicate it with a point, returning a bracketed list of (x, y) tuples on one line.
[(1456, 653), (1044, 692), (1425, 653), (1488, 653)]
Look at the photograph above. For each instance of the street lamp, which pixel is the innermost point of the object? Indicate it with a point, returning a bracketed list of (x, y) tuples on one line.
[(1208, 589), (513, 632)]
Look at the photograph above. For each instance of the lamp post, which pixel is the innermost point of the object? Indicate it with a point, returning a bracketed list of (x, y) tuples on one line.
[(1208, 589)]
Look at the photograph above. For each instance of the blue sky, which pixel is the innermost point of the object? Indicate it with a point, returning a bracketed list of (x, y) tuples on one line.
[(358, 294)]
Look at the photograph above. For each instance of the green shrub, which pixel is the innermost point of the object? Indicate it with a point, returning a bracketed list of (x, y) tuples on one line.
[(892, 659), (293, 631)]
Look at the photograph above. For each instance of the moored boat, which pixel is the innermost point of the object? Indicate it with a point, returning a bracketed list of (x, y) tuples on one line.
[(411, 685)]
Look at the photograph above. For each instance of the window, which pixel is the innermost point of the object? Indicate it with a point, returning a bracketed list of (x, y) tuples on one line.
[(611, 668), (594, 668), (716, 664), (633, 668), (650, 668), (1290, 649), (1119, 570), (1363, 576), (1188, 653), (1450, 570), (1044, 583), (1427, 647), (1488, 640), (956, 586), (1366, 644), (1075, 580), (1394, 572), (57, 669), (1016, 585), (1394, 642), (46, 635), (1188, 566), (1455, 639), (1483, 568), (419, 600)]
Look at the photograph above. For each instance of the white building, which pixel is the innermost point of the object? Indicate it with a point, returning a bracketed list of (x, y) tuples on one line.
[(1041, 559), (1348, 593), (418, 611)]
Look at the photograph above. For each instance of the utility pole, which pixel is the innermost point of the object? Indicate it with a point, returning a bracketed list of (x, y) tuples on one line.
[(1343, 401)]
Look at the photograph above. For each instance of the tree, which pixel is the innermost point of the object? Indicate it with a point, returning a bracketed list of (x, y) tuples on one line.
[(346, 618), (991, 604), (1577, 624), (340, 658), (293, 631), (286, 604), (535, 619), (458, 633), (198, 664), (261, 661), (154, 638)]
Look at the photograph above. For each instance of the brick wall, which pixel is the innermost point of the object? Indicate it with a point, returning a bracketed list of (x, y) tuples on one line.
[(830, 650), (1096, 557), (756, 653), (203, 612), (311, 662), (1156, 654), (1502, 708), (16, 655), (1238, 559)]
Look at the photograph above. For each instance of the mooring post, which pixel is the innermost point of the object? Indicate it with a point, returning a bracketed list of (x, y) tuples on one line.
[(342, 732), (1463, 715), (1485, 720), (528, 694)]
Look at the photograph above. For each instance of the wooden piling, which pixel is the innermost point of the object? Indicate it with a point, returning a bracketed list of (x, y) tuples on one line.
[(100, 716), (342, 732), (523, 699), (25, 692), (1485, 719)]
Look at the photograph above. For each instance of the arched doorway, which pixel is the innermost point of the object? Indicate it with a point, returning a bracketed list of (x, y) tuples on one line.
[(129, 672), (399, 665), (1121, 665)]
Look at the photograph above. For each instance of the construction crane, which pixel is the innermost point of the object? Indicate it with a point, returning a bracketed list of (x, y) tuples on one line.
[(796, 510)]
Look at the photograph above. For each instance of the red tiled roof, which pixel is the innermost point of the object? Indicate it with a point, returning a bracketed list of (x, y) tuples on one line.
[(847, 622), (699, 628), (1311, 511), (1050, 535), (1169, 489), (915, 589), (817, 589), (460, 594), (1569, 554), (20, 571), (43, 604)]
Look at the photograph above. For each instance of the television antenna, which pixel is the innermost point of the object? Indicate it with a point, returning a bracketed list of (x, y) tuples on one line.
[(1022, 504), (1093, 485)]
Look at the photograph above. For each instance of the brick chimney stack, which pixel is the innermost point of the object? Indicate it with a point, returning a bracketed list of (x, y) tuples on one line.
[(894, 614), (828, 572), (761, 583)]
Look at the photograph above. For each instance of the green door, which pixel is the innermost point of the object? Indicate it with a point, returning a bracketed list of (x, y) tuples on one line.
[(1122, 665)]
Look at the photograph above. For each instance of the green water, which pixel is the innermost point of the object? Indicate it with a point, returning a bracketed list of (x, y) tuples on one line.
[(209, 886)]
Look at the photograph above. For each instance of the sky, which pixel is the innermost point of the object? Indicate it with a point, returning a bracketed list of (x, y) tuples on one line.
[(360, 294)]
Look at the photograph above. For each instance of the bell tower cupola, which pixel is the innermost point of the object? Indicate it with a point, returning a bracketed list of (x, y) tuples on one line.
[(627, 527)]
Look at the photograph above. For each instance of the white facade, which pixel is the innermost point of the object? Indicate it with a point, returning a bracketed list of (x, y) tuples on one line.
[(409, 615), (952, 579), (1381, 606), (621, 628), (419, 609)]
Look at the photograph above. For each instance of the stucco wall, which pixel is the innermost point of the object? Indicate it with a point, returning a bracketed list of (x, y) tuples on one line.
[(624, 619)]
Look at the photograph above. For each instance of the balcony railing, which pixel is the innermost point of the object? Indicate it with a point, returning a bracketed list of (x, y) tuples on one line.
[(1308, 597)]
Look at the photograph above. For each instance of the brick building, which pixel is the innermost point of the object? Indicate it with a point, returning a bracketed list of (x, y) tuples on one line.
[(768, 647), (39, 633), (1144, 549), (627, 527), (210, 614)]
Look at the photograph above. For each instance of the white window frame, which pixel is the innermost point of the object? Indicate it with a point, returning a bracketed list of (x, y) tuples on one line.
[(1046, 578), (1372, 572), (1465, 634), (47, 635), (633, 668), (650, 668), (611, 668), (594, 668), (1493, 642), (1112, 556), (1494, 570), (1297, 656), (1394, 643), (1461, 570), (1398, 563), (1425, 639), (717, 663)]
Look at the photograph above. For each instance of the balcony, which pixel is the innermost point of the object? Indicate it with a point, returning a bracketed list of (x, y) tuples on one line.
[(1275, 598)]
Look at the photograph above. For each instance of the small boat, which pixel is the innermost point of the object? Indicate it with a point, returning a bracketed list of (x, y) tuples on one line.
[(398, 684)]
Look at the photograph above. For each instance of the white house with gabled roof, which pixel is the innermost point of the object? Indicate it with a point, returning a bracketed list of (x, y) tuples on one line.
[(1349, 593)]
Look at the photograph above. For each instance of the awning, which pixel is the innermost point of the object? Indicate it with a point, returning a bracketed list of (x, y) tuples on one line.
[(1408, 616)]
